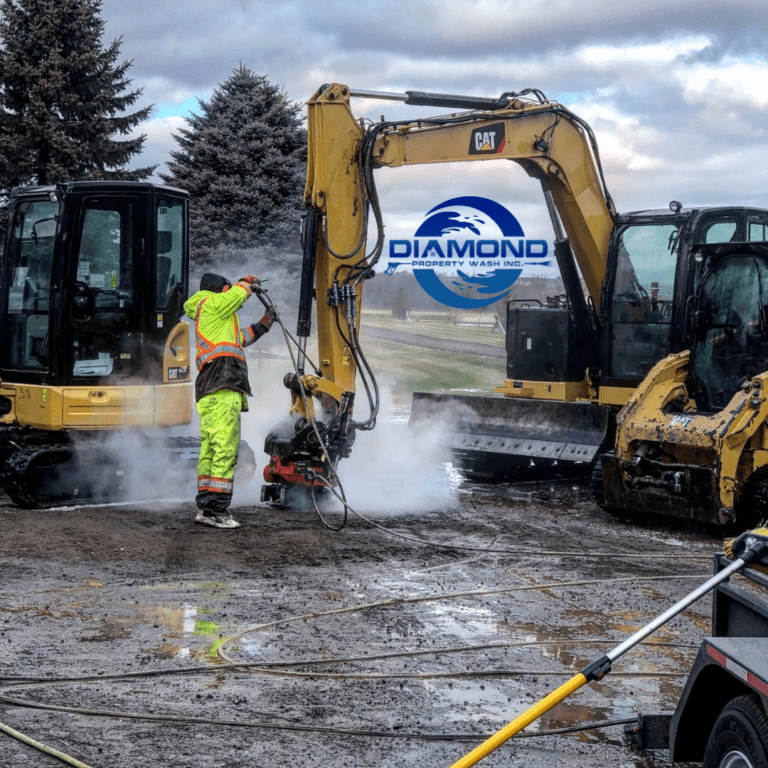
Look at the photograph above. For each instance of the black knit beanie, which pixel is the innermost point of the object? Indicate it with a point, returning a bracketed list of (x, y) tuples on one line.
[(213, 282)]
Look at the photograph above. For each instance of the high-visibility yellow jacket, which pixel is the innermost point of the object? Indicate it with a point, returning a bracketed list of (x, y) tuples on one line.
[(217, 326)]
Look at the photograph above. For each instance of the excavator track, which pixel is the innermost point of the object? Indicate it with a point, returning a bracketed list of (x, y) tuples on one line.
[(31, 476), (91, 469), (596, 483)]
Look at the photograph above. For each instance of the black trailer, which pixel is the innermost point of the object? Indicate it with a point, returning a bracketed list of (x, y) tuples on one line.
[(722, 716)]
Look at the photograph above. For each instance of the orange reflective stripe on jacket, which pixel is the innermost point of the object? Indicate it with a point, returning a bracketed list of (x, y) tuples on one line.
[(207, 350)]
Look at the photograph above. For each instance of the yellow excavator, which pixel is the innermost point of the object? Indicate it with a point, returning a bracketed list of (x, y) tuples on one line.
[(636, 292), (94, 275)]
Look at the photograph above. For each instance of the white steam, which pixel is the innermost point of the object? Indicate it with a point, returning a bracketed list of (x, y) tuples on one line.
[(392, 469)]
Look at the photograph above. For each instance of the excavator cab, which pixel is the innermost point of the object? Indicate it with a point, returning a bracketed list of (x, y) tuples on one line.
[(94, 275)]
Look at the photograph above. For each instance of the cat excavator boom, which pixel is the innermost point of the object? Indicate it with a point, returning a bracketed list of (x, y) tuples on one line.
[(570, 367)]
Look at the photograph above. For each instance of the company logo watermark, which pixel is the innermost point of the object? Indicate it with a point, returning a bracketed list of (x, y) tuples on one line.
[(476, 244)]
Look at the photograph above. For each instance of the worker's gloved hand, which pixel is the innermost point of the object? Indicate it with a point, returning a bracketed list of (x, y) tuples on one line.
[(268, 319), (251, 280)]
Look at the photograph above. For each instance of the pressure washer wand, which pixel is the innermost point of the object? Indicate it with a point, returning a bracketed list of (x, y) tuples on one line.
[(261, 294), (749, 547)]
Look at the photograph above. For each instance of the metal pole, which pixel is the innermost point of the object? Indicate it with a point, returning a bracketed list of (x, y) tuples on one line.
[(679, 607), (385, 95)]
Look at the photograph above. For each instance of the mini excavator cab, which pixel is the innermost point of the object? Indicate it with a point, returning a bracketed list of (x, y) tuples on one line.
[(94, 275), (79, 260)]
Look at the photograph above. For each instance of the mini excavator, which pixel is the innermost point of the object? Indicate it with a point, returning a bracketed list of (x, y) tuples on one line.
[(94, 275), (585, 389)]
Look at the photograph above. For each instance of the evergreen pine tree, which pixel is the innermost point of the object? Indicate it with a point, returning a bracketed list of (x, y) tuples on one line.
[(242, 159), (62, 96)]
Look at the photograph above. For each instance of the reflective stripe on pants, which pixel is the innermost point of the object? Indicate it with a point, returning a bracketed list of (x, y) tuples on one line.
[(219, 441)]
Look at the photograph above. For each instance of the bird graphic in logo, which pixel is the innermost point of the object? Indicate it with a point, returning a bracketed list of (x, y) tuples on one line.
[(448, 221)]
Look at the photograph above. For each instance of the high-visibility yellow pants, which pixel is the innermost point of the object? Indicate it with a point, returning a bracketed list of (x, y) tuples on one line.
[(219, 447)]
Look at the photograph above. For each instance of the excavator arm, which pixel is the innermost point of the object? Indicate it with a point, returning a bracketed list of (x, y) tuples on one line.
[(551, 143)]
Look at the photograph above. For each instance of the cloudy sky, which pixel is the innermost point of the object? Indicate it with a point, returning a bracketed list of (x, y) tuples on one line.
[(676, 90)]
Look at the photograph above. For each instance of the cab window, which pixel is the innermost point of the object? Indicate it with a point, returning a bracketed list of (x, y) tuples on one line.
[(757, 231), (30, 264), (719, 231), (641, 308), (731, 343), (170, 248), (104, 337)]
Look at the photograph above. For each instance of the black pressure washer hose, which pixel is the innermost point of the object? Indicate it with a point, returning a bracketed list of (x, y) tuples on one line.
[(261, 294)]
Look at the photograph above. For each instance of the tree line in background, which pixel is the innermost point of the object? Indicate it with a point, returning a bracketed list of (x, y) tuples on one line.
[(64, 116), (65, 102)]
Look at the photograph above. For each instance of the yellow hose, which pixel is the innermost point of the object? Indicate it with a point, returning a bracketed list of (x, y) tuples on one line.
[(520, 722), (42, 747)]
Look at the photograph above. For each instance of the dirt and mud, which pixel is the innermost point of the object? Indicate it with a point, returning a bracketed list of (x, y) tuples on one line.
[(385, 651)]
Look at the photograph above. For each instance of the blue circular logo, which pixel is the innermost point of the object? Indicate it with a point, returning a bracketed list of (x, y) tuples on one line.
[(454, 236)]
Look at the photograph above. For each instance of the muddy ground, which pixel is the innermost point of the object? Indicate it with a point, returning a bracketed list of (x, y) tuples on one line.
[(137, 589)]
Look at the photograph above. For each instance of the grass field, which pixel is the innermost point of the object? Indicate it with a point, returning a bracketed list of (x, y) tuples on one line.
[(451, 324), (403, 369)]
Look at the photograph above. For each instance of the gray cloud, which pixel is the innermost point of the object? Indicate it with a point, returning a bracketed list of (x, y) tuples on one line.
[(676, 90)]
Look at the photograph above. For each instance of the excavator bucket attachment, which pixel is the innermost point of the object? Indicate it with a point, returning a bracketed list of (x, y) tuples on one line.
[(504, 439)]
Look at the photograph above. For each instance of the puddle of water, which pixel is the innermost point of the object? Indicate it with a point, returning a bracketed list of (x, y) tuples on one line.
[(181, 624), (468, 700), (168, 651), (464, 622), (566, 714), (501, 703), (112, 629), (189, 619)]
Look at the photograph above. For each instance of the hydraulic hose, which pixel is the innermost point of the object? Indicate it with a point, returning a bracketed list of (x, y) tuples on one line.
[(428, 598), (285, 726), (23, 681)]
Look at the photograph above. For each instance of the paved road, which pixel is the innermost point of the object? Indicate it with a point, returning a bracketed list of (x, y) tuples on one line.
[(447, 345)]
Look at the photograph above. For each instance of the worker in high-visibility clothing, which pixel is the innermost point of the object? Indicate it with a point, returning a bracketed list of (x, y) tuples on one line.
[(221, 388)]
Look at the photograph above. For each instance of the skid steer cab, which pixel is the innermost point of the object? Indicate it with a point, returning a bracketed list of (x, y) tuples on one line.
[(692, 441), (722, 715), (94, 275)]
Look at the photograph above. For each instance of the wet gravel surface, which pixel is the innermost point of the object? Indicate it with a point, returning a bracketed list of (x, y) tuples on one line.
[(391, 652)]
